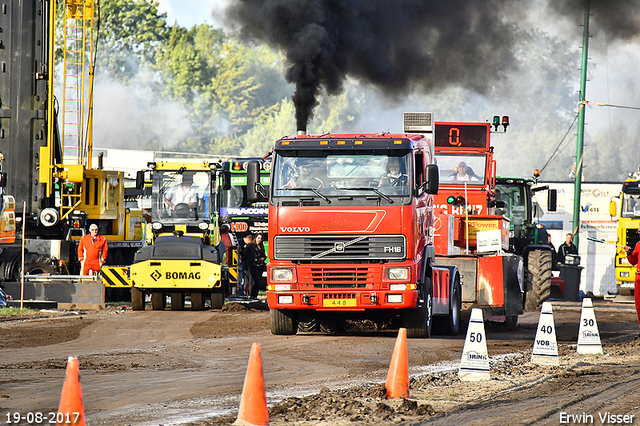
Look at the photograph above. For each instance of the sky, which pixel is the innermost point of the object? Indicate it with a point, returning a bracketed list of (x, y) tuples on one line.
[(612, 75), (612, 68)]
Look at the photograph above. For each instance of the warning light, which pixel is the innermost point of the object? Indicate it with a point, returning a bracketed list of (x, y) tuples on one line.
[(496, 122), (505, 122), (536, 173), (237, 165), (458, 201)]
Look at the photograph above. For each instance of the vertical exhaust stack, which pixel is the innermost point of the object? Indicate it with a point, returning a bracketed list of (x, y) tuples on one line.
[(301, 132)]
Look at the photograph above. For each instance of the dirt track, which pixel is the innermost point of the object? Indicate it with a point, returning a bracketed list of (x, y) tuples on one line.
[(162, 368)]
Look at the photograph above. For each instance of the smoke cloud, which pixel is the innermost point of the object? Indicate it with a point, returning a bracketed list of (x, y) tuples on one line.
[(400, 46), (620, 19)]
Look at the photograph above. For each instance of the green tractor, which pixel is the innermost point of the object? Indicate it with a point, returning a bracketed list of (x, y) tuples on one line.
[(514, 199)]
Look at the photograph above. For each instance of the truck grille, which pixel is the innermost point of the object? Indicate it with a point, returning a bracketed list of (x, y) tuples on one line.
[(341, 247), (338, 277)]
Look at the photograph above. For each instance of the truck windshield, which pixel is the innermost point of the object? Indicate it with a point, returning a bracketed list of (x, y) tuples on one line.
[(515, 203), (181, 196), (630, 205), (233, 202), (462, 168), (348, 174)]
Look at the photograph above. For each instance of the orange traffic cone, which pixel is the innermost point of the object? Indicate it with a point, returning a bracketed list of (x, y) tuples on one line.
[(71, 410), (253, 405), (397, 383)]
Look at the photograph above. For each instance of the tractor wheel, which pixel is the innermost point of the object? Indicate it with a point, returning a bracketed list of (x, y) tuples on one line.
[(157, 301), (308, 324), (36, 264), (539, 290), (197, 301), (283, 321), (217, 300), (331, 325), (177, 301), (137, 299)]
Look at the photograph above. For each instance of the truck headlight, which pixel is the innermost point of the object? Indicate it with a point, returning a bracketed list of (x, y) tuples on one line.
[(282, 275), (157, 225), (624, 274), (203, 226), (398, 274), (285, 299), (397, 287), (394, 298)]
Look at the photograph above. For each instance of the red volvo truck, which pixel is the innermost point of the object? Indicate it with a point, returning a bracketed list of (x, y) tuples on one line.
[(470, 230), (351, 232)]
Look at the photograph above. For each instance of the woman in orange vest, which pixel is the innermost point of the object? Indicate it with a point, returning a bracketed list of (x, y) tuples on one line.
[(92, 251)]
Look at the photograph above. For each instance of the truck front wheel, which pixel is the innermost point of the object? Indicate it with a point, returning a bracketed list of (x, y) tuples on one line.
[(419, 321), (283, 321), (539, 290)]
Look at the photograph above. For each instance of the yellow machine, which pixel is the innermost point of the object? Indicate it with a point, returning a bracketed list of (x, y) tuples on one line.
[(184, 258), (625, 208)]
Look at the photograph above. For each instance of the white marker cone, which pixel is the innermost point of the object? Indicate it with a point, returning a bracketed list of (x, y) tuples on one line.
[(545, 346), (588, 335), (474, 365)]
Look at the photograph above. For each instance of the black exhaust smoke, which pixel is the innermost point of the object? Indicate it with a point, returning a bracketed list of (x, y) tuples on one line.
[(400, 45)]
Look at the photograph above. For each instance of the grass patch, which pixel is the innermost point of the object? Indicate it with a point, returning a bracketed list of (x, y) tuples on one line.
[(16, 312)]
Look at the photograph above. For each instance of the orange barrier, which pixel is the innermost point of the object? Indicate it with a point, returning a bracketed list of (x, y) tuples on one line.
[(397, 383), (71, 409), (253, 405)]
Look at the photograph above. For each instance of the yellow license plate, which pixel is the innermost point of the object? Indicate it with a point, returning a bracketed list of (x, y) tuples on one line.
[(338, 303)]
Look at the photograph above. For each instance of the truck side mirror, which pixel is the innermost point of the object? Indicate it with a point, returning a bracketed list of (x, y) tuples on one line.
[(255, 190), (552, 200), (433, 179), (140, 179), (226, 180), (613, 208)]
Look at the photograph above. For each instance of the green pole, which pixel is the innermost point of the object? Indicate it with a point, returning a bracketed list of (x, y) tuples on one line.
[(580, 142)]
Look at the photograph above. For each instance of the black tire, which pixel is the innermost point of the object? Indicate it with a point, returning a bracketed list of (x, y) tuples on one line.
[(177, 301), (451, 322), (510, 322), (197, 301), (283, 321), (419, 321), (36, 264), (137, 299), (307, 324), (158, 301), (217, 300), (539, 266), (331, 325)]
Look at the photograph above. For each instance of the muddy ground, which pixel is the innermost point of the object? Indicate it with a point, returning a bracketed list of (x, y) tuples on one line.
[(169, 368)]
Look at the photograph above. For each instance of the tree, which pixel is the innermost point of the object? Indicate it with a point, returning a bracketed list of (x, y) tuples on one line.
[(131, 34)]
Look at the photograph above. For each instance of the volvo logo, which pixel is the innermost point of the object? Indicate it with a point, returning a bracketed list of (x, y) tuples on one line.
[(338, 247), (295, 229)]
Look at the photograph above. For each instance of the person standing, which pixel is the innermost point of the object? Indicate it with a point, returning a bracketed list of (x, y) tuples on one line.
[(92, 251), (633, 257), (248, 261), (554, 253), (258, 266), (566, 248)]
